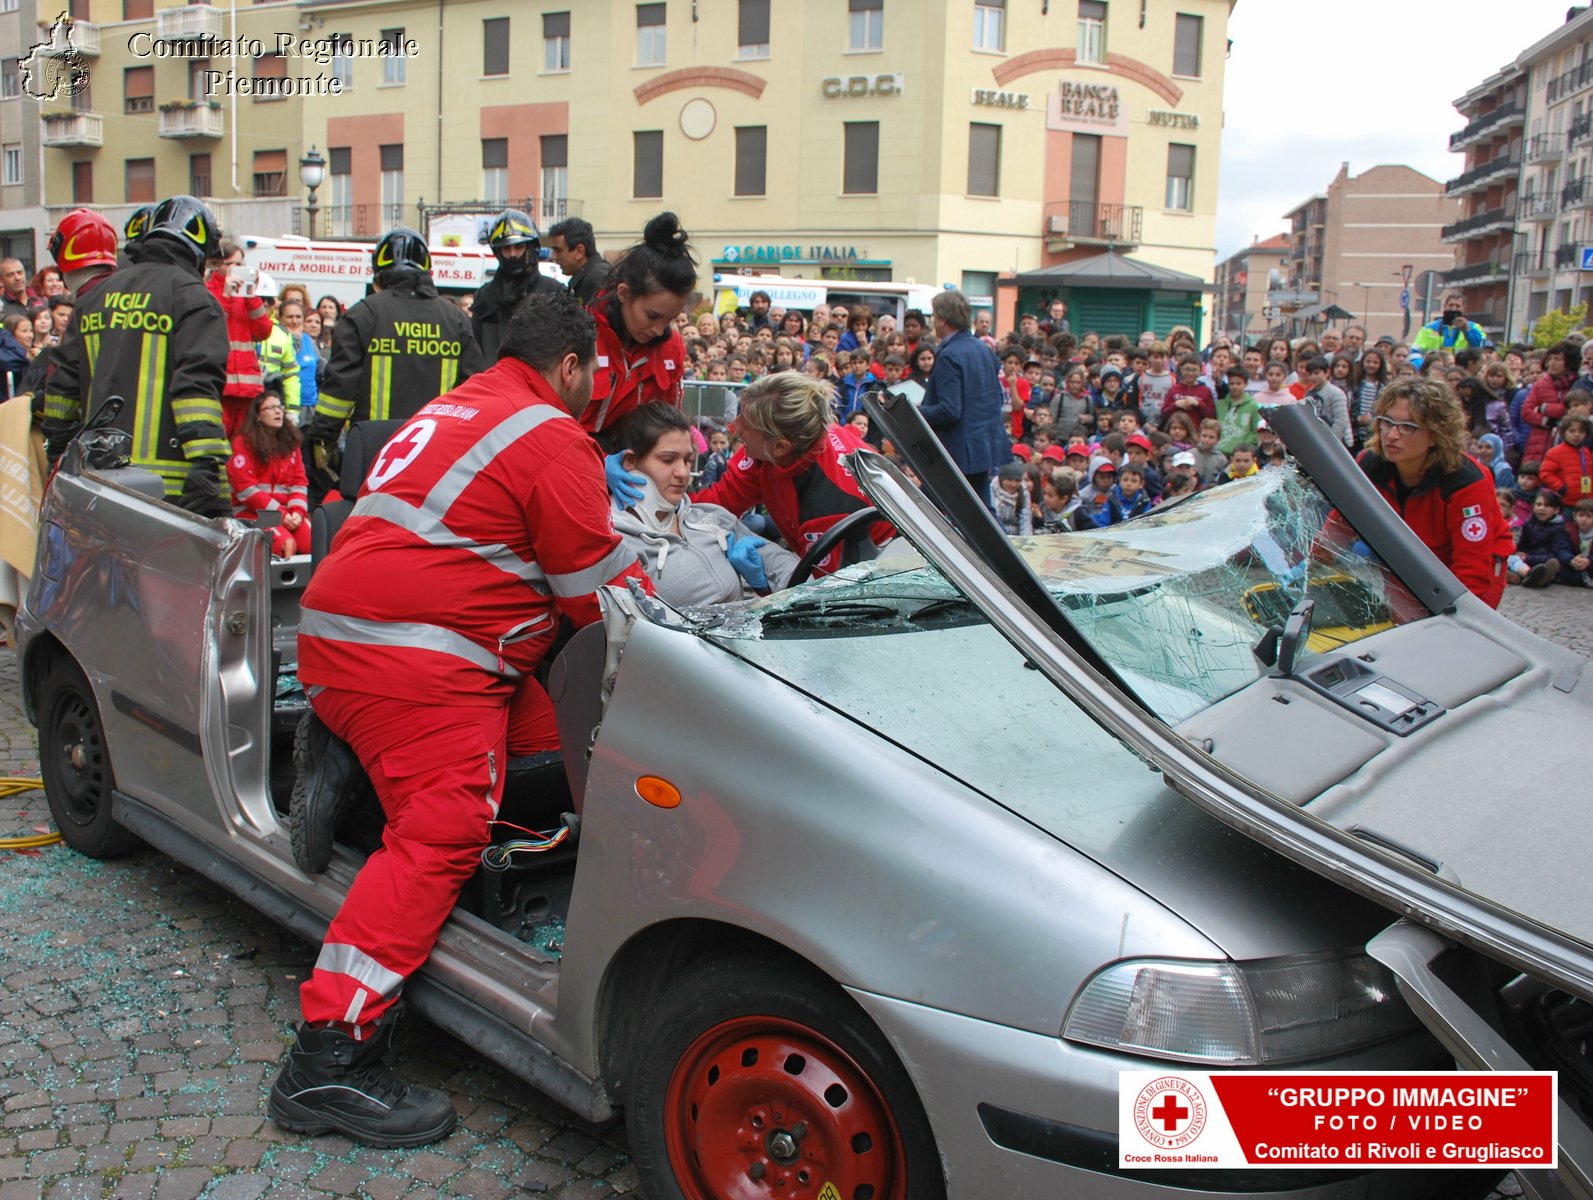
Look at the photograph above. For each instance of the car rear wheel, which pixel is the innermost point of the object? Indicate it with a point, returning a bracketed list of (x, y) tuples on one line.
[(755, 1080), (76, 765)]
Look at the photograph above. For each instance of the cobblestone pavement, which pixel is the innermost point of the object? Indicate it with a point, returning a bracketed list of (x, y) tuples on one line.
[(143, 1010)]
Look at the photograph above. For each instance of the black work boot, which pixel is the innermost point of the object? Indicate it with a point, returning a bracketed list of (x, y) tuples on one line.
[(332, 1082), (327, 779)]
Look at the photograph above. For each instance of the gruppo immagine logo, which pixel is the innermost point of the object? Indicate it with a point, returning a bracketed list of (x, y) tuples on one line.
[(55, 69), (1170, 1112)]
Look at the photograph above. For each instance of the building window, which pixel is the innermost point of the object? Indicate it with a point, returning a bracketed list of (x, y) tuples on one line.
[(342, 64), (197, 91), (980, 289), (555, 176), (132, 10), (495, 170), (650, 45), (392, 184), (990, 25), (393, 63), (140, 181), (752, 147), (1186, 46), (1180, 177), (199, 174), (860, 174), (9, 6), (556, 41), (495, 46), (138, 90), (11, 169), (10, 79), (1092, 32), (984, 160), (866, 28), (270, 173), (754, 29), (269, 70), (647, 174), (340, 212), (82, 183)]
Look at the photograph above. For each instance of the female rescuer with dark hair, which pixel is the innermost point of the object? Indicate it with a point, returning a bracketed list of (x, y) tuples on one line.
[(640, 356)]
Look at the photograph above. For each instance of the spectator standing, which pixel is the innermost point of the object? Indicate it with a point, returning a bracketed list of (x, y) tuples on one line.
[(15, 294), (248, 321), (292, 316), (1545, 404), (1449, 331), (573, 245), (963, 402)]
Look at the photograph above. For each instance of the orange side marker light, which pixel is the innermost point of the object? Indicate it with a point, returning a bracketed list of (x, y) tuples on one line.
[(658, 792)]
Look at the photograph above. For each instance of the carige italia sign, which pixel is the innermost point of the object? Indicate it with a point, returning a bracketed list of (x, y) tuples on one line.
[(1087, 107)]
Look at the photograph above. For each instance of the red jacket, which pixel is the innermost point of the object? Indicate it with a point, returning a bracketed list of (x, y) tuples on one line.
[(622, 383), (1568, 470), (803, 499), (482, 520), (1457, 516), (1205, 411), (1544, 405), (259, 483), (248, 322)]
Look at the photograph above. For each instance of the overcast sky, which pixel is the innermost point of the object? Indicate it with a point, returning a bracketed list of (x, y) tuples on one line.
[(1314, 83)]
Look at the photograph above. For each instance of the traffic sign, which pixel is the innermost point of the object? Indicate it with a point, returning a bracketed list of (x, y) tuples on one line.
[(1269, 311), (1587, 258)]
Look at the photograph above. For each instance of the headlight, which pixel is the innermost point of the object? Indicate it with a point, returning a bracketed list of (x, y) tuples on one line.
[(1239, 1014)]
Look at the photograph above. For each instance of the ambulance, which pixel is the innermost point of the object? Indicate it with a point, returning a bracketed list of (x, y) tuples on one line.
[(343, 269), (733, 292)]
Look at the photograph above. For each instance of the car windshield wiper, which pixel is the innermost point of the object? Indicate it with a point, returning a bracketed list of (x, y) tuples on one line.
[(825, 610)]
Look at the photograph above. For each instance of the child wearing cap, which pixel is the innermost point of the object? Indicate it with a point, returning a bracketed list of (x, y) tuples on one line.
[(1138, 450), (1103, 477), (1184, 467), (1127, 500)]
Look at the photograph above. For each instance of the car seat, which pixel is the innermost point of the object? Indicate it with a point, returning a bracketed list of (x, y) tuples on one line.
[(360, 448)]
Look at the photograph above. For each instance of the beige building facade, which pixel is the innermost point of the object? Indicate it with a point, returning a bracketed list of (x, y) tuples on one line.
[(1243, 280), (938, 141)]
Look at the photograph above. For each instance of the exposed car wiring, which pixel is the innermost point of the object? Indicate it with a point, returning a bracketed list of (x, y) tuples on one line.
[(499, 857), (13, 785)]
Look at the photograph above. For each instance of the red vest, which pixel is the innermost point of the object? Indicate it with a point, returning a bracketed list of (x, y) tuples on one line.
[(622, 383), (481, 521), (266, 483)]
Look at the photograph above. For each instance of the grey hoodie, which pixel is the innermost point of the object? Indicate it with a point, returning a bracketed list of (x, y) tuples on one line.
[(692, 567)]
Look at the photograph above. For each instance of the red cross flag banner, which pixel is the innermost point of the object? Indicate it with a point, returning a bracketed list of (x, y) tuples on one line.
[(1312, 1119)]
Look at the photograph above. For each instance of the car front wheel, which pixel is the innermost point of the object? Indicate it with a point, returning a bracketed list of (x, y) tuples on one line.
[(76, 765), (755, 1079)]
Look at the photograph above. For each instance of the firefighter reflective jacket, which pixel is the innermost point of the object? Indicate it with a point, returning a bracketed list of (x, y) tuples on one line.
[(394, 351), (154, 335), (480, 522)]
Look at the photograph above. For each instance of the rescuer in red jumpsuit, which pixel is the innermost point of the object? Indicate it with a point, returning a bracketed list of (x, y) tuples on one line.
[(482, 521)]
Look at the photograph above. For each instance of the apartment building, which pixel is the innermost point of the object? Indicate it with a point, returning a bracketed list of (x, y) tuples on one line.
[(1484, 236), (940, 141), (1242, 284)]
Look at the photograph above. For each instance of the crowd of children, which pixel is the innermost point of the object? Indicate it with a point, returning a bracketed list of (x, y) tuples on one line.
[(1104, 428)]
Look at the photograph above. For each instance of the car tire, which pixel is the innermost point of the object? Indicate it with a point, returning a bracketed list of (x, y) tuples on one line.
[(760, 1075), (75, 762)]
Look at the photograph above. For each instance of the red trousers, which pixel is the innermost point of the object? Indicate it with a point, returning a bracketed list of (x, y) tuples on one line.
[(438, 773)]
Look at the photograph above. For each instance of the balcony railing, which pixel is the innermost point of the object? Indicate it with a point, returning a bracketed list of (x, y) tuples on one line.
[(1533, 207), (1531, 262), (1544, 146), (1580, 128), (1576, 194), (1567, 256), (1566, 82), (69, 129), (1479, 272), (1083, 222), (363, 220), (1492, 169), (190, 121), (1495, 218), (1511, 113), (189, 22), (68, 35)]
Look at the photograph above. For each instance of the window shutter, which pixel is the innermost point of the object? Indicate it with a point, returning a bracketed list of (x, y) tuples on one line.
[(556, 25), (752, 144), (648, 176), (861, 171), (138, 82), (494, 152), (649, 14), (393, 157), (338, 161), (754, 22), (984, 159), (495, 46)]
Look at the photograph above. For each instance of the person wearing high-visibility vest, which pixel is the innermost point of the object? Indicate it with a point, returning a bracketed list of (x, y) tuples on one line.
[(399, 348), (482, 523), (153, 334)]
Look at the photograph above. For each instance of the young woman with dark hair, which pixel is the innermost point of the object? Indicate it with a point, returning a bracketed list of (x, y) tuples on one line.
[(266, 471)]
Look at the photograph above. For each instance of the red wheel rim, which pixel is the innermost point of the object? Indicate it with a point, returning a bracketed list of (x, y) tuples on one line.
[(761, 1106)]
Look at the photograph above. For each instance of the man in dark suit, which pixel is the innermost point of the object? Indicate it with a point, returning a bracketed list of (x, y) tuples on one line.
[(963, 402)]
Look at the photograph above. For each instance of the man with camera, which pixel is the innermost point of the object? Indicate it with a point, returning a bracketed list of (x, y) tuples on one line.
[(1448, 331)]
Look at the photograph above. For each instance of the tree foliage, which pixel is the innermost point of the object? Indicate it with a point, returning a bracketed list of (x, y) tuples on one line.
[(1554, 326)]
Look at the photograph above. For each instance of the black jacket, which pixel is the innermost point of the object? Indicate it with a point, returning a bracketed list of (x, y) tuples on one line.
[(590, 279), (392, 353), (152, 334), (496, 302)]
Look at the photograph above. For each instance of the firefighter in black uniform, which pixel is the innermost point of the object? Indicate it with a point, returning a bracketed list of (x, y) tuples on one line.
[(153, 334), (396, 350), (518, 247)]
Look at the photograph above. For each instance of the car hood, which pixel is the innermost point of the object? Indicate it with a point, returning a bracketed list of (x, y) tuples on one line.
[(1424, 824)]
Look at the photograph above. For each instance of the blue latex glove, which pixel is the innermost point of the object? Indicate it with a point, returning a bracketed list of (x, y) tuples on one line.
[(625, 486), (744, 557), (1361, 548)]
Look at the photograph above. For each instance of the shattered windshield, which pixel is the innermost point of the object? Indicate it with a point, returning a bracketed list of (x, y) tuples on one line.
[(1177, 600)]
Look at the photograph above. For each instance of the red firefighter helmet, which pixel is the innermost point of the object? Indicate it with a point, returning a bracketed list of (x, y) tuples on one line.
[(83, 239)]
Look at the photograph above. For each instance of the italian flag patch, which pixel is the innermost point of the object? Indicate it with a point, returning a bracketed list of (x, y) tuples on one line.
[(1474, 510)]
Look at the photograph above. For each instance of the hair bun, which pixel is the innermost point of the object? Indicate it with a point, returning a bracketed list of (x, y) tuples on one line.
[(664, 234)]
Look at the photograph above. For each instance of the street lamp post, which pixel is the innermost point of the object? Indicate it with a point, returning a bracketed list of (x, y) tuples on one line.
[(312, 173)]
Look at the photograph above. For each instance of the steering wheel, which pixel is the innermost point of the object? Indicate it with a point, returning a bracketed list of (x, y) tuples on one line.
[(828, 540)]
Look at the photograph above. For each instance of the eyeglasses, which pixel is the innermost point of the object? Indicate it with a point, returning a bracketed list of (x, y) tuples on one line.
[(1389, 425), (273, 405)]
